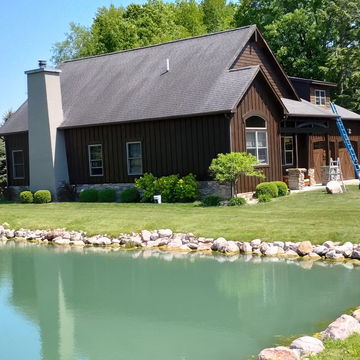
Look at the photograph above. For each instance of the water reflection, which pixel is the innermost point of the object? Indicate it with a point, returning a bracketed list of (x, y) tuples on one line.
[(140, 304)]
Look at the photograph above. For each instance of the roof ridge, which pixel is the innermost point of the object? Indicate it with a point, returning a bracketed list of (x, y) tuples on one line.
[(160, 44)]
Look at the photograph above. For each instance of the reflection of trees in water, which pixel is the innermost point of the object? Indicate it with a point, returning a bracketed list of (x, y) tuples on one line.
[(98, 304)]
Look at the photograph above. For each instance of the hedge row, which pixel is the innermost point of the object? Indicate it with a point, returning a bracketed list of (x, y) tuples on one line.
[(39, 197)]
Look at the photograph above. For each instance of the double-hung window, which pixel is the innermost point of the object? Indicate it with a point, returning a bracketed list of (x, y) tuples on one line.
[(134, 158), (288, 150), (320, 97), (95, 160), (256, 138), (18, 164)]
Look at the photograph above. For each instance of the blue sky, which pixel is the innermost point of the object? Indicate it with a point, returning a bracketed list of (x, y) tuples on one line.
[(28, 30)]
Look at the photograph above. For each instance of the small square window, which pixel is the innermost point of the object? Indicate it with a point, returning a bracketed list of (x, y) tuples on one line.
[(95, 160), (134, 158)]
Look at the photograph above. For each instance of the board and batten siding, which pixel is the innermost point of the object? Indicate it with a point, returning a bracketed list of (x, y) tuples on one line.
[(172, 146), (257, 53), (259, 101), (17, 142)]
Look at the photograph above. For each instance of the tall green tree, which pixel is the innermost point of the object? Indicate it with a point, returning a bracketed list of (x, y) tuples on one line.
[(218, 15), (189, 15)]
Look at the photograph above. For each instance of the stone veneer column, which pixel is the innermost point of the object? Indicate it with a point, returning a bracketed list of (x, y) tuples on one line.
[(296, 178), (47, 153)]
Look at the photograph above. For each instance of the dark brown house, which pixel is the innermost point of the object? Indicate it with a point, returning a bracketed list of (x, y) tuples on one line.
[(170, 109)]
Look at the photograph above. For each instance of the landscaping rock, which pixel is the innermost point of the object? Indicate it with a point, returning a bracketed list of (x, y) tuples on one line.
[(355, 254), (146, 235), (321, 250), (291, 254), (263, 247), (204, 246), (342, 328), (255, 244), (153, 243), (51, 235), (278, 353), (175, 243), (346, 249), (307, 345), (329, 244), (154, 235), (193, 246), (312, 256), (247, 248), (165, 233), (356, 314), (60, 241), (304, 248), (279, 244), (230, 247), (272, 251), (333, 255), (218, 244), (163, 241), (333, 187), (77, 242)]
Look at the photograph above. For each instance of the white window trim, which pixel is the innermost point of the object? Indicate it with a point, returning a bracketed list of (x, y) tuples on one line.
[(321, 97), (289, 151), (96, 167), (13, 164), (256, 130), (128, 158)]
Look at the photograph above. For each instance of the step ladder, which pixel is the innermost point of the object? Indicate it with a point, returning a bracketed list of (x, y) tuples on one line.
[(346, 141), (335, 173)]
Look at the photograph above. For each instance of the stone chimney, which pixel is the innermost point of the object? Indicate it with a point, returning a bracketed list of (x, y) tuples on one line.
[(47, 153)]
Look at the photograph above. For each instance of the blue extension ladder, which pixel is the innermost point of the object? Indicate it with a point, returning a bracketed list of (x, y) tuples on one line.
[(346, 141)]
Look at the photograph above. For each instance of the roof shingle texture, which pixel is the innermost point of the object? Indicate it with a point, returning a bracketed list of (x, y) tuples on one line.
[(134, 85)]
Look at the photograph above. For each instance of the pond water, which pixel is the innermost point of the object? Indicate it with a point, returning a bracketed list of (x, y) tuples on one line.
[(142, 305)]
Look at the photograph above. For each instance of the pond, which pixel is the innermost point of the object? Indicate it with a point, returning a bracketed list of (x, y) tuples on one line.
[(140, 305)]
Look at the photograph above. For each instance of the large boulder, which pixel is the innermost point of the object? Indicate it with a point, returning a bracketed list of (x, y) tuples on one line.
[(333, 187), (146, 235), (165, 233), (247, 248), (356, 314), (218, 244), (307, 345), (278, 353), (231, 247), (305, 248), (342, 328)]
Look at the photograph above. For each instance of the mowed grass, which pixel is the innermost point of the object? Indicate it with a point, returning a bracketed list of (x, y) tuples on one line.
[(348, 349), (314, 216)]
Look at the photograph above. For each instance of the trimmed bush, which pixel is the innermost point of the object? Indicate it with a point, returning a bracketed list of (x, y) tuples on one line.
[(236, 201), (107, 195), (26, 197), (268, 188), (42, 197), (211, 200), (130, 195), (88, 195), (146, 183), (186, 189), (282, 188), (165, 186), (264, 198)]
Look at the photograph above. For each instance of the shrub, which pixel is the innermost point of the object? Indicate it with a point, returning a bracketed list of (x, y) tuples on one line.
[(186, 189), (130, 195), (88, 195), (66, 192), (146, 183), (165, 186), (107, 195), (282, 188), (267, 188), (211, 200), (26, 197), (42, 197), (263, 198), (236, 201)]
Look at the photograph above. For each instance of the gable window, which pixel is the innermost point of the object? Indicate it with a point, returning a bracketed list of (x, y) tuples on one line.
[(18, 164), (320, 97), (288, 150), (256, 138), (95, 160), (134, 158)]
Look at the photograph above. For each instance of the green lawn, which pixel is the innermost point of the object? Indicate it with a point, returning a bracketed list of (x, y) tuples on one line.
[(348, 349), (313, 216)]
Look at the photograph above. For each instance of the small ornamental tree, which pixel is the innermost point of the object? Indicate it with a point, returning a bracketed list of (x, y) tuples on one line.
[(229, 167)]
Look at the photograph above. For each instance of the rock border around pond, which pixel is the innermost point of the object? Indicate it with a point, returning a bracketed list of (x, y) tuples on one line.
[(302, 347), (165, 239)]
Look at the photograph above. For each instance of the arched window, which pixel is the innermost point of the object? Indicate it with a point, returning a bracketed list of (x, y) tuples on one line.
[(256, 138)]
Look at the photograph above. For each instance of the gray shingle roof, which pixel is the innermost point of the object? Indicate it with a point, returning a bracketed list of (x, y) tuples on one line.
[(133, 85), (305, 108)]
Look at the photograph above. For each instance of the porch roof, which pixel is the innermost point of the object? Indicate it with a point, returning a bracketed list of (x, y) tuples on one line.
[(305, 108)]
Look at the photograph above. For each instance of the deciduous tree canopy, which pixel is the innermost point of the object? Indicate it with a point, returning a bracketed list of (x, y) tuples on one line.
[(316, 39)]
